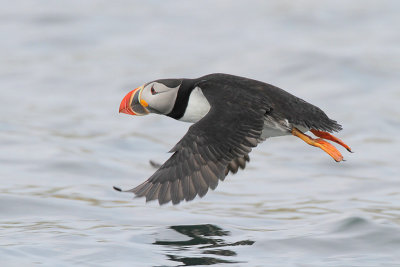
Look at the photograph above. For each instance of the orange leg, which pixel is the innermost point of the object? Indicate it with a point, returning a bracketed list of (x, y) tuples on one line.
[(325, 146), (328, 136)]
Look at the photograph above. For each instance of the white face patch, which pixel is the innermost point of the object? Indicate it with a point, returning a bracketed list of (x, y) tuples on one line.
[(159, 97), (197, 107)]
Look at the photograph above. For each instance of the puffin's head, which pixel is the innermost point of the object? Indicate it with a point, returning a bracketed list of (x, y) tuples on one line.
[(154, 97)]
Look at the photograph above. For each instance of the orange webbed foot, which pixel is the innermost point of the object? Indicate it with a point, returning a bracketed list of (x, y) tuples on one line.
[(328, 136), (328, 148), (325, 146)]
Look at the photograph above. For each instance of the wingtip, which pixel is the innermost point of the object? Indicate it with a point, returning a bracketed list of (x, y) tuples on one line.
[(117, 189), (154, 164)]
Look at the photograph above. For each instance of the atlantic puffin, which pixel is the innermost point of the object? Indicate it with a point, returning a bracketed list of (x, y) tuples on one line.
[(231, 115)]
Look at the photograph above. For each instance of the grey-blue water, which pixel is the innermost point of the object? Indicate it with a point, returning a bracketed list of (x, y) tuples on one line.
[(66, 65)]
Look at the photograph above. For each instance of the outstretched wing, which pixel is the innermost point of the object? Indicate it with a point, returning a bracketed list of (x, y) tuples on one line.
[(233, 166), (218, 142)]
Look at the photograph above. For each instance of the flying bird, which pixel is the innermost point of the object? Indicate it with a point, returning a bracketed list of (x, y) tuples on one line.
[(231, 115)]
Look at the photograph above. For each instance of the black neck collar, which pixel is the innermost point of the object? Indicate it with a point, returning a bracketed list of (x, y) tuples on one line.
[(182, 99)]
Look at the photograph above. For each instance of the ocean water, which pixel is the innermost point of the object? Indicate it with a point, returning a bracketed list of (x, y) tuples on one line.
[(66, 65)]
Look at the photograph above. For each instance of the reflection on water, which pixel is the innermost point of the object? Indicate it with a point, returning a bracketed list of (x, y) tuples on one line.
[(207, 239), (193, 261)]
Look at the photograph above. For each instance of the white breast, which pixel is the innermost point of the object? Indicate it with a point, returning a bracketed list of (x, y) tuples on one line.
[(197, 107)]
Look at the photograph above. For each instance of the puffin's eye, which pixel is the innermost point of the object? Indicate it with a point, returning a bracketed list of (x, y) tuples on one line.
[(153, 91)]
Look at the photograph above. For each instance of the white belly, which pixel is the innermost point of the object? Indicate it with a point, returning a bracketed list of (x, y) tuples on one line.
[(273, 128)]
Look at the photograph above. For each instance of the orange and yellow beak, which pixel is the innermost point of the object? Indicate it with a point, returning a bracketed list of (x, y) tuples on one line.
[(132, 104)]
